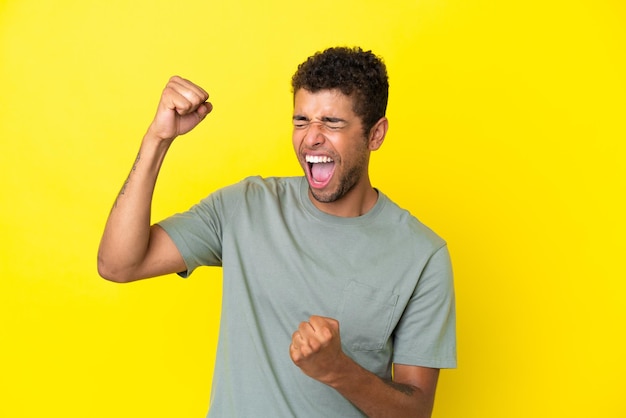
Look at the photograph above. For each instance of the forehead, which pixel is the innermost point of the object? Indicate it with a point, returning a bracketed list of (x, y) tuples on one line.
[(323, 103)]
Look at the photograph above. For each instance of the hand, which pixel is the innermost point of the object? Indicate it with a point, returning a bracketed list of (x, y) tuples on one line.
[(316, 348), (182, 107)]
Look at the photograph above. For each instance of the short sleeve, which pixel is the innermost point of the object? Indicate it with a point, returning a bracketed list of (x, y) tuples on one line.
[(198, 232), (426, 333)]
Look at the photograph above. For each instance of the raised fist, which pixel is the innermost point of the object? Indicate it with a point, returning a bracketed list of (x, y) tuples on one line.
[(182, 107)]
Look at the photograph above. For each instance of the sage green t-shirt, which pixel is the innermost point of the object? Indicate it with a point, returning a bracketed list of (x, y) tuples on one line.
[(384, 276)]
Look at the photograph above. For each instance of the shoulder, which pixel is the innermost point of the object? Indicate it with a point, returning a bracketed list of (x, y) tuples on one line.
[(256, 192), (401, 220), (271, 185), (256, 185)]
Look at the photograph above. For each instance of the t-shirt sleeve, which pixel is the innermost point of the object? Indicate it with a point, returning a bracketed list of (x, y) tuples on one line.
[(426, 333), (198, 232)]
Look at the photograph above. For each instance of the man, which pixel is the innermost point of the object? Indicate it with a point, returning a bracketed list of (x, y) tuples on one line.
[(336, 302)]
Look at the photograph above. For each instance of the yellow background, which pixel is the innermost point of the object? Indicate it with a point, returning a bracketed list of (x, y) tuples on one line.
[(507, 131)]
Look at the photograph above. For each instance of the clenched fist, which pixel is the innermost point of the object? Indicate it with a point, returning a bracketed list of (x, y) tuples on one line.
[(182, 107), (316, 348)]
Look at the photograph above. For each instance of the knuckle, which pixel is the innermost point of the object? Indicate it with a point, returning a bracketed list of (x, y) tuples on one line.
[(191, 97), (306, 350), (327, 334)]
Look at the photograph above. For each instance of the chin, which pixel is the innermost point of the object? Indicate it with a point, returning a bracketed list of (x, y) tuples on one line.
[(323, 198), (327, 196)]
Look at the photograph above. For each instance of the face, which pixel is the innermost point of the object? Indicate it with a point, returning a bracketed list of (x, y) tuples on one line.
[(330, 145)]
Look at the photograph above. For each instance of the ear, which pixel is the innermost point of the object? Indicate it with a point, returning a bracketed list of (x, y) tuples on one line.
[(377, 134)]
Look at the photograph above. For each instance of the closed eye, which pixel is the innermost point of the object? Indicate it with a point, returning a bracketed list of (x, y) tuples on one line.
[(300, 122), (333, 124)]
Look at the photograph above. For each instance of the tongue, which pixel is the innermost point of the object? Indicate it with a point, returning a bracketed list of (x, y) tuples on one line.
[(321, 172)]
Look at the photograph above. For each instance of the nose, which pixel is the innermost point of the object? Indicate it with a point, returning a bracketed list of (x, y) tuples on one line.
[(314, 135)]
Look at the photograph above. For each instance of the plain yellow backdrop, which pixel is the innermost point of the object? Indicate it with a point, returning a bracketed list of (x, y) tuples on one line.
[(507, 131)]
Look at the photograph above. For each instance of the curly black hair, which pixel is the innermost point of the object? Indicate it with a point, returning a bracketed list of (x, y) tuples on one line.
[(356, 73)]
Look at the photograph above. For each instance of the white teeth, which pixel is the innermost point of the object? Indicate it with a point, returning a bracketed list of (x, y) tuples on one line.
[(313, 159)]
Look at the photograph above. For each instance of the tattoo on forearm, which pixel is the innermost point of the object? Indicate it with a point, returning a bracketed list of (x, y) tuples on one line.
[(127, 180), (406, 389)]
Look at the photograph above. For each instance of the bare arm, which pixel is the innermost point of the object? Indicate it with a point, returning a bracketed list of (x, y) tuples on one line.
[(316, 349), (130, 248)]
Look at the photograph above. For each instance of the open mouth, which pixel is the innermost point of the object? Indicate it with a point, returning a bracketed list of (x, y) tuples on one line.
[(320, 169)]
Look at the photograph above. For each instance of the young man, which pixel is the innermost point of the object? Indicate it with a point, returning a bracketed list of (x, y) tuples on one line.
[(336, 302)]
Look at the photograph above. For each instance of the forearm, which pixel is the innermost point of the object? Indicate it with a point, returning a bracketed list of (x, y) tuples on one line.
[(379, 398), (126, 235)]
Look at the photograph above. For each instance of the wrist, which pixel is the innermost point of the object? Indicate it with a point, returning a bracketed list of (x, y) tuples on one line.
[(154, 144), (344, 373), (153, 138)]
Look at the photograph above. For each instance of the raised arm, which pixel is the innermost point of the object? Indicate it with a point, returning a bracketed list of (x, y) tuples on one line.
[(130, 248)]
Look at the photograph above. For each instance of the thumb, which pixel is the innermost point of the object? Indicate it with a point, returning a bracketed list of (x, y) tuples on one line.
[(204, 109), (191, 120)]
